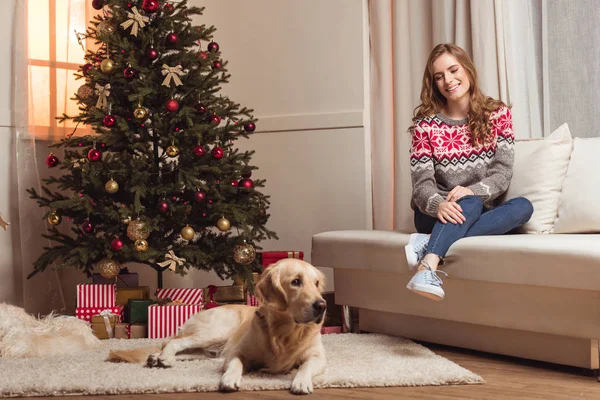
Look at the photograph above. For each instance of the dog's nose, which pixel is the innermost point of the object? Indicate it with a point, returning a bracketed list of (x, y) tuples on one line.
[(319, 306)]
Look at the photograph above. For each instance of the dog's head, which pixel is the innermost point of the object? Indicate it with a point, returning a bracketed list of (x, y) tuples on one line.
[(295, 287)]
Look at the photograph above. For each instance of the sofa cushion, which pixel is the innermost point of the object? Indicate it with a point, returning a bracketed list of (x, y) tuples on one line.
[(578, 210), (539, 172), (538, 260)]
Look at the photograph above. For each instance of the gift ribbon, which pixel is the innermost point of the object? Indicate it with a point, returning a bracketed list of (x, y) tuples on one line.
[(105, 315), (172, 73), (136, 21), (103, 92), (128, 330), (172, 261)]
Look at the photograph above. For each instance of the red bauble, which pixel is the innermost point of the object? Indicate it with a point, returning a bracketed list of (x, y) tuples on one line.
[(109, 120), (172, 105), (129, 73), (216, 64), (250, 127), (172, 38), (246, 183), (213, 46), (116, 244), (51, 161), (151, 53), (87, 227), (234, 183), (201, 108), (94, 155), (218, 153), (203, 55), (215, 119), (168, 8), (98, 4), (199, 151), (86, 69), (163, 206), (246, 174), (151, 6), (199, 197)]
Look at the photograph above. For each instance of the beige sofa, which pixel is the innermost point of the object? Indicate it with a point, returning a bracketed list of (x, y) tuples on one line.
[(534, 295)]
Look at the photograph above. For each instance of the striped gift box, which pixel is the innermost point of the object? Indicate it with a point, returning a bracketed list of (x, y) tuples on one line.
[(251, 300), (86, 313), (165, 321), (185, 296), (95, 295)]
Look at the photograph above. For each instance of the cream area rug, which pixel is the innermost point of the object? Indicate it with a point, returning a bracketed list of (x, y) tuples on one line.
[(353, 360)]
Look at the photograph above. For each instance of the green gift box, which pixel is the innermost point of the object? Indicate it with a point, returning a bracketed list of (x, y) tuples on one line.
[(137, 310)]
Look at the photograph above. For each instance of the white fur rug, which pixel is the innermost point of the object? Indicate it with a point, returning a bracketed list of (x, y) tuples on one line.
[(353, 360)]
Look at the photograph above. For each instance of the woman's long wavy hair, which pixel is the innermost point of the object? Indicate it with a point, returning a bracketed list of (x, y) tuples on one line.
[(433, 102)]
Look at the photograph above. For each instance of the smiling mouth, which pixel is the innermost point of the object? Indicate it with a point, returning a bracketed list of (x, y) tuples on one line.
[(453, 88)]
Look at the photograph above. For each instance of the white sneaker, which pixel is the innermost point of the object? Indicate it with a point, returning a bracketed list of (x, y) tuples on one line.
[(415, 249), (428, 284)]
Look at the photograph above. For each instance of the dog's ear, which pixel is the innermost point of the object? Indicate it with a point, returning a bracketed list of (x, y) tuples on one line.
[(322, 281), (269, 290)]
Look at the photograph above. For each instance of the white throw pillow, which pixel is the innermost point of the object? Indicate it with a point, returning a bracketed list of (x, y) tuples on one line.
[(578, 210), (539, 172)]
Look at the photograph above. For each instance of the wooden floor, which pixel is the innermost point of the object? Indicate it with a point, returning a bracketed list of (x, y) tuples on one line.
[(506, 378)]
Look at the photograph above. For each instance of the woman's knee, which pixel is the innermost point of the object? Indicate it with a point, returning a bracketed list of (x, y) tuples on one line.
[(523, 208), (472, 206)]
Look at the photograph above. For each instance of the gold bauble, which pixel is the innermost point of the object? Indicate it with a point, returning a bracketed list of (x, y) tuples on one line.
[(138, 230), (107, 65), (111, 186), (244, 253), (140, 113), (141, 245), (109, 268), (188, 232), (223, 224), (54, 219), (85, 92), (126, 220), (172, 151)]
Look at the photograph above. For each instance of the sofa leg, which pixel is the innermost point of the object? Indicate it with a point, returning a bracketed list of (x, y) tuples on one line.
[(350, 319)]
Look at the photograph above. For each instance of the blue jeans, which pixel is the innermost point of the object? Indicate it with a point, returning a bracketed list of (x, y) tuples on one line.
[(479, 222)]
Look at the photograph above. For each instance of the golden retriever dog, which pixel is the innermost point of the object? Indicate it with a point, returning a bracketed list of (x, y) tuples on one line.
[(22, 335), (282, 334)]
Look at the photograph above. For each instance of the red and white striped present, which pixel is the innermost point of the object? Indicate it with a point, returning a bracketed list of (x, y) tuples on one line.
[(251, 300), (187, 296), (96, 295), (86, 313), (165, 321)]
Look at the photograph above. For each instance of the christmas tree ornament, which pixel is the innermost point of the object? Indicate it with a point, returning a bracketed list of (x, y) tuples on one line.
[(98, 4), (234, 183), (129, 73), (215, 120), (163, 206), (102, 92), (223, 224), (135, 20), (244, 253), (199, 197), (108, 268), (51, 161), (216, 64), (172, 38), (250, 127), (94, 154), (172, 261), (188, 232), (111, 187), (201, 108), (172, 74), (141, 245), (218, 153), (109, 121), (126, 220), (203, 55), (246, 173), (199, 151), (137, 230), (151, 54), (85, 92), (245, 183), (140, 113), (54, 218), (150, 6), (86, 69), (116, 244), (172, 151), (168, 8), (3, 224), (213, 47), (107, 66), (172, 105), (87, 227), (105, 28)]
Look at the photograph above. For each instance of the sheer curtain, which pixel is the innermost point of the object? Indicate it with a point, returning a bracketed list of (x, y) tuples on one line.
[(499, 36)]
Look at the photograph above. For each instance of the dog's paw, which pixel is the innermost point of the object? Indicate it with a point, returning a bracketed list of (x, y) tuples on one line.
[(230, 382), (152, 361), (164, 362), (301, 385)]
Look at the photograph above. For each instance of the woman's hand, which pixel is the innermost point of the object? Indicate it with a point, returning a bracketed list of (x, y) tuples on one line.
[(450, 211), (458, 192)]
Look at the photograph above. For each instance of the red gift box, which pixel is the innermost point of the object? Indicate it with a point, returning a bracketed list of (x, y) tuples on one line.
[(86, 313), (271, 257), (98, 296), (165, 321), (186, 296), (251, 300), (330, 329)]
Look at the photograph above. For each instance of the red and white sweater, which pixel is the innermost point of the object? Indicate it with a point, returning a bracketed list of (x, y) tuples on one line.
[(443, 157)]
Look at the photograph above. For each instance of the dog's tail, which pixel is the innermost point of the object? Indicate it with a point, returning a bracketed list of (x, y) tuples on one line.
[(134, 356)]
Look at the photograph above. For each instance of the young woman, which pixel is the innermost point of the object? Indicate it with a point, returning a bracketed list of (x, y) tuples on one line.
[(461, 163)]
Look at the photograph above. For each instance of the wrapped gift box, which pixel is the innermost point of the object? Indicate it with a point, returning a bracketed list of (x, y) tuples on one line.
[(165, 321), (104, 325), (125, 294), (251, 300), (131, 331), (183, 296), (123, 280), (325, 330), (86, 313), (136, 310), (271, 257), (224, 294), (98, 296)]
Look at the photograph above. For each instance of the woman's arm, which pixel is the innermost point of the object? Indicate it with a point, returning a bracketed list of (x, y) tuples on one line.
[(425, 192)]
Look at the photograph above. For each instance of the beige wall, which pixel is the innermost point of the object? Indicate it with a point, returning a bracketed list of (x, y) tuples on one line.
[(301, 66)]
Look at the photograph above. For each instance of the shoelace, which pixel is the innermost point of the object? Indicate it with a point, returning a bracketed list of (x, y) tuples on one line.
[(431, 276)]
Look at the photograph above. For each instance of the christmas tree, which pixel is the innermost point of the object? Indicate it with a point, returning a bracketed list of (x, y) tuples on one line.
[(160, 182)]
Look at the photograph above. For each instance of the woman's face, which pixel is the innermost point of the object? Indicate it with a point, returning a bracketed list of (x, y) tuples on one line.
[(450, 78)]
